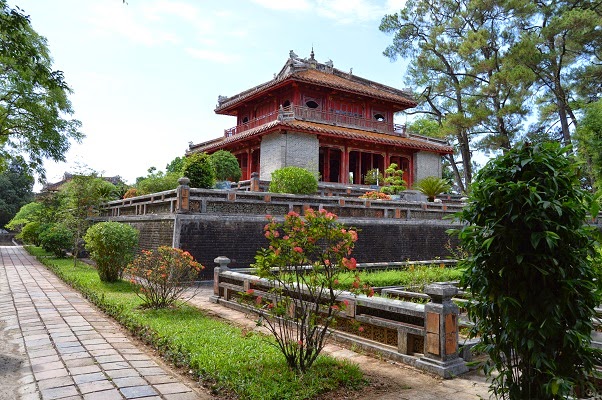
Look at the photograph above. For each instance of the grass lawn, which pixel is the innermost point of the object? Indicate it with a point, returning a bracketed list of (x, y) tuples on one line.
[(230, 360), (418, 275)]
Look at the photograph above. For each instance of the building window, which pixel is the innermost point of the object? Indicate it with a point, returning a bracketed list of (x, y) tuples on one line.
[(286, 103), (311, 104), (380, 117), (245, 120)]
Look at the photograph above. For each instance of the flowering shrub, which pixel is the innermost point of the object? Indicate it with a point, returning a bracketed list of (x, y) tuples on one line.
[(375, 196), (162, 274), (303, 304)]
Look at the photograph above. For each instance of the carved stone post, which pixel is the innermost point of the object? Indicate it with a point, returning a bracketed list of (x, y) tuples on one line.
[(255, 182), (183, 196), (223, 266), (441, 340)]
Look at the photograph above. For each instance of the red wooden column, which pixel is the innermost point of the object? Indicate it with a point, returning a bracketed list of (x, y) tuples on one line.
[(344, 166), (249, 163)]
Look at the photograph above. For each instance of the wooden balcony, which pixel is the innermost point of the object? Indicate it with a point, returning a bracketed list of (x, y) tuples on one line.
[(335, 118)]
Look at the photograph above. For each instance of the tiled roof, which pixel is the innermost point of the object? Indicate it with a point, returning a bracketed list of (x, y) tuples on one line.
[(328, 130), (310, 71)]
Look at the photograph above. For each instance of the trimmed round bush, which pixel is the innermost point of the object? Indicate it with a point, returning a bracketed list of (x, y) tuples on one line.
[(199, 170), (293, 180), (226, 166), (111, 246), (56, 238)]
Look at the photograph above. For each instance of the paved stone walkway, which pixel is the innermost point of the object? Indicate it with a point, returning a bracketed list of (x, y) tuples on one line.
[(55, 345)]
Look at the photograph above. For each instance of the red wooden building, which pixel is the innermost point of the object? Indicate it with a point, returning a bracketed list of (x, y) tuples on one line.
[(315, 116)]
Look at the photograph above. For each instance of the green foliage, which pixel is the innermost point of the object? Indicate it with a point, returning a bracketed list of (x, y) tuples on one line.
[(131, 192), (533, 285), (589, 142), (233, 361), (176, 165), (426, 127), (27, 213), (162, 275), (111, 246), (414, 276), (15, 190), (33, 97), (394, 180), (30, 233), (303, 303), (373, 177), (81, 197), (56, 238), (156, 182), (226, 166), (293, 180), (431, 186), (199, 170)]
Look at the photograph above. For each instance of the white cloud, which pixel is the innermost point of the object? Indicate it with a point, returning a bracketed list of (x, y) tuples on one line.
[(394, 6), (212, 55), (349, 11)]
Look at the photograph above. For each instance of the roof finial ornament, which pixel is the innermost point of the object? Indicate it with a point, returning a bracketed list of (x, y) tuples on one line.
[(311, 55), (292, 54)]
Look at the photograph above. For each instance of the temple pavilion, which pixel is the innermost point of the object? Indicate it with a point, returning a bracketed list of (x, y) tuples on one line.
[(315, 116)]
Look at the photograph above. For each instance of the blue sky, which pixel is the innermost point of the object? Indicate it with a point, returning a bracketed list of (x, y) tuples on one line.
[(146, 75)]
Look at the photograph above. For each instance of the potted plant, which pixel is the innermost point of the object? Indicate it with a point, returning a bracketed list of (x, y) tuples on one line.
[(373, 177), (394, 182), (226, 168), (431, 186)]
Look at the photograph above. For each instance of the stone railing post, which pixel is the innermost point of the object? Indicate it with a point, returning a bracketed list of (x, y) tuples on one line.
[(223, 266), (183, 196), (255, 182), (441, 340)]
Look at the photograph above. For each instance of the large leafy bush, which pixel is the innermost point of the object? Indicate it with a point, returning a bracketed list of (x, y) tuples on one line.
[(111, 246), (226, 166), (199, 170), (530, 273), (56, 238), (293, 180)]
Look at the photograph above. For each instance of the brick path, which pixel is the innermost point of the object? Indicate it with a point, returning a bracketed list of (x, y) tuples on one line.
[(56, 345)]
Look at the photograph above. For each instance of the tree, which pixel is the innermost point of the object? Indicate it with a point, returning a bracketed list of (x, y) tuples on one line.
[(33, 97), (176, 165), (226, 166), (589, 142), (560, 42), (199, 170), (157, 181), (30, 212), (81, 197), (15, 191), (533, 287)]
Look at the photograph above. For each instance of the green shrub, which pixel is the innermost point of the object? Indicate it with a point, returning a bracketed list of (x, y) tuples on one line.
[(157, 182), (111, 246), (431, 186), (30, 233), (226, 166), (56, 238), (199, 170), (530, 273), (293, 180), (394, 180), (374, 177), (131, 192), (162, 275)]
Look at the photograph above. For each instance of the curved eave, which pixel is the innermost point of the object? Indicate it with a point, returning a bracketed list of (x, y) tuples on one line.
[(323, 130), (228, 107)]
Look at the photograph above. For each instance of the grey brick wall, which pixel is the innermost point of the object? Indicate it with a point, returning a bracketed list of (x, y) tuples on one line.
[(291, 149)]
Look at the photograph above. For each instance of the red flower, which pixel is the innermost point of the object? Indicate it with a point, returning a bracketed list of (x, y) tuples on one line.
[(361, 329), (298, 249), (250, 291), (350, 263), (258, 300)]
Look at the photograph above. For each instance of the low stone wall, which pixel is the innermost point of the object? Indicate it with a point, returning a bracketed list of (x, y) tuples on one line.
[(423, 335)]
